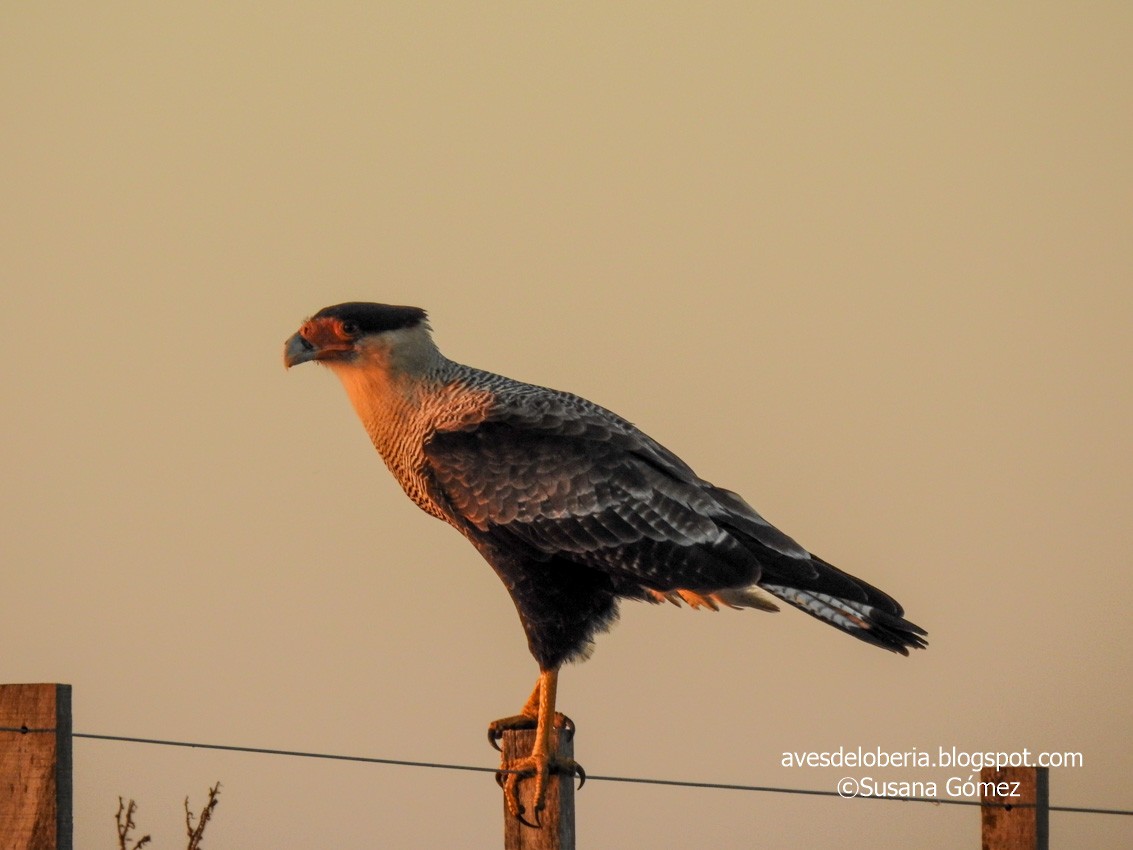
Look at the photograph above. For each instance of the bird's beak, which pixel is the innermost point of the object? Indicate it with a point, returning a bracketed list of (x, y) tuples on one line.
[(298, 350), (318, 339)]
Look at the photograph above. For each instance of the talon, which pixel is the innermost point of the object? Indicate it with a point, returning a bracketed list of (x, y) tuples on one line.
[(566, 725), (511, 798), (539, 769), (519, 816), (497, 728)]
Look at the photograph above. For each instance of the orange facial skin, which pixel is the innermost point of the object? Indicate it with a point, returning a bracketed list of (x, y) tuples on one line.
[(330, 336)]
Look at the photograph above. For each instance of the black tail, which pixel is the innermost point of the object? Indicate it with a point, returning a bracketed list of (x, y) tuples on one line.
[(845, 602)]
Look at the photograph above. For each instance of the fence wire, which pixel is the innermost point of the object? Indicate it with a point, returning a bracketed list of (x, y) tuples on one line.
[(677, 783)]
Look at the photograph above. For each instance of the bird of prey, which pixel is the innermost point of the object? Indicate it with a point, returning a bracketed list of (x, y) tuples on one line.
[(573, 506)]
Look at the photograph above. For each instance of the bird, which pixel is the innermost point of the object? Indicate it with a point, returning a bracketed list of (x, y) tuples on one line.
[(574, 507)]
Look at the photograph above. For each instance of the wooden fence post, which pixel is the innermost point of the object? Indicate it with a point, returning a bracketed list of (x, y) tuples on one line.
[(35, 767), (557, 817), (1011, 827)]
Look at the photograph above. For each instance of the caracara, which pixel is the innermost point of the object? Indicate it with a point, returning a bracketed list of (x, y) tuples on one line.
[(573, 506)]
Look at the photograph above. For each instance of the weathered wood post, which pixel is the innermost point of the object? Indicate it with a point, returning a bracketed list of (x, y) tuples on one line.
[(557, 817), (1007, 825), (35, 767)]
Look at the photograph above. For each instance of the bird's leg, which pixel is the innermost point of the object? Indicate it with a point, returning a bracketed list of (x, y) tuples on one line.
[(527, 718), (543, 760)]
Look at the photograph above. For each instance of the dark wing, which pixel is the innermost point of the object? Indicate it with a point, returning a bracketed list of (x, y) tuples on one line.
[(561, 477)]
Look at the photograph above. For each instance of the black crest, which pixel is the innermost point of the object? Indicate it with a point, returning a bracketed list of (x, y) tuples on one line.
[(374, 318)]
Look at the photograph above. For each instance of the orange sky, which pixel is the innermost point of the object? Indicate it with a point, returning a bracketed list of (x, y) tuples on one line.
[(869, 267)]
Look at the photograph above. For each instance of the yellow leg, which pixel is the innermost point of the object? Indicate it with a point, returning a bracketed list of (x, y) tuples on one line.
[(548, 690), (528, 717), (540, 707), (531, 707)]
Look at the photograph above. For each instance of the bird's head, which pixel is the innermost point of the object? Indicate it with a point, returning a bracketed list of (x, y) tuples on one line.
[(347, 333)]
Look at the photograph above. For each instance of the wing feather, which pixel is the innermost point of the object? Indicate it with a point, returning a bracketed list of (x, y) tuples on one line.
[(562, 478), (591, 487)]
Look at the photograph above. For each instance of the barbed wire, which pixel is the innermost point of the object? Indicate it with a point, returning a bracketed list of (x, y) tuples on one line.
[(677, 783)]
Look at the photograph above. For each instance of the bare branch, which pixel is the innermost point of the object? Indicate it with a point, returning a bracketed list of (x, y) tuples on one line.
[(196, 834), (125, 821)]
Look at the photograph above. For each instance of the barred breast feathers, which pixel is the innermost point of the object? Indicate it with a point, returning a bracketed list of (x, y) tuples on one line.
[(403, 391)]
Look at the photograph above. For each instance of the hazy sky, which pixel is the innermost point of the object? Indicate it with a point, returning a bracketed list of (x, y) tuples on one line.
[(870, 267)]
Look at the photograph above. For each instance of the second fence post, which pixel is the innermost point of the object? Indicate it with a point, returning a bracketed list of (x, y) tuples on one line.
[(1007, 825)]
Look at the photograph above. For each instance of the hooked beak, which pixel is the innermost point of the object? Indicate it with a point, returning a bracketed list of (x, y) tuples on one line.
[(298, 350), (318, 339)]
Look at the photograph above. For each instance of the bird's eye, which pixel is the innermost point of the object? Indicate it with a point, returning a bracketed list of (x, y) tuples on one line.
[(350, 328)]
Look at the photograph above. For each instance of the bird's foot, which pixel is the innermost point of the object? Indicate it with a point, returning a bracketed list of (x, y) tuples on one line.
[(497, 728), (540, 766)]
